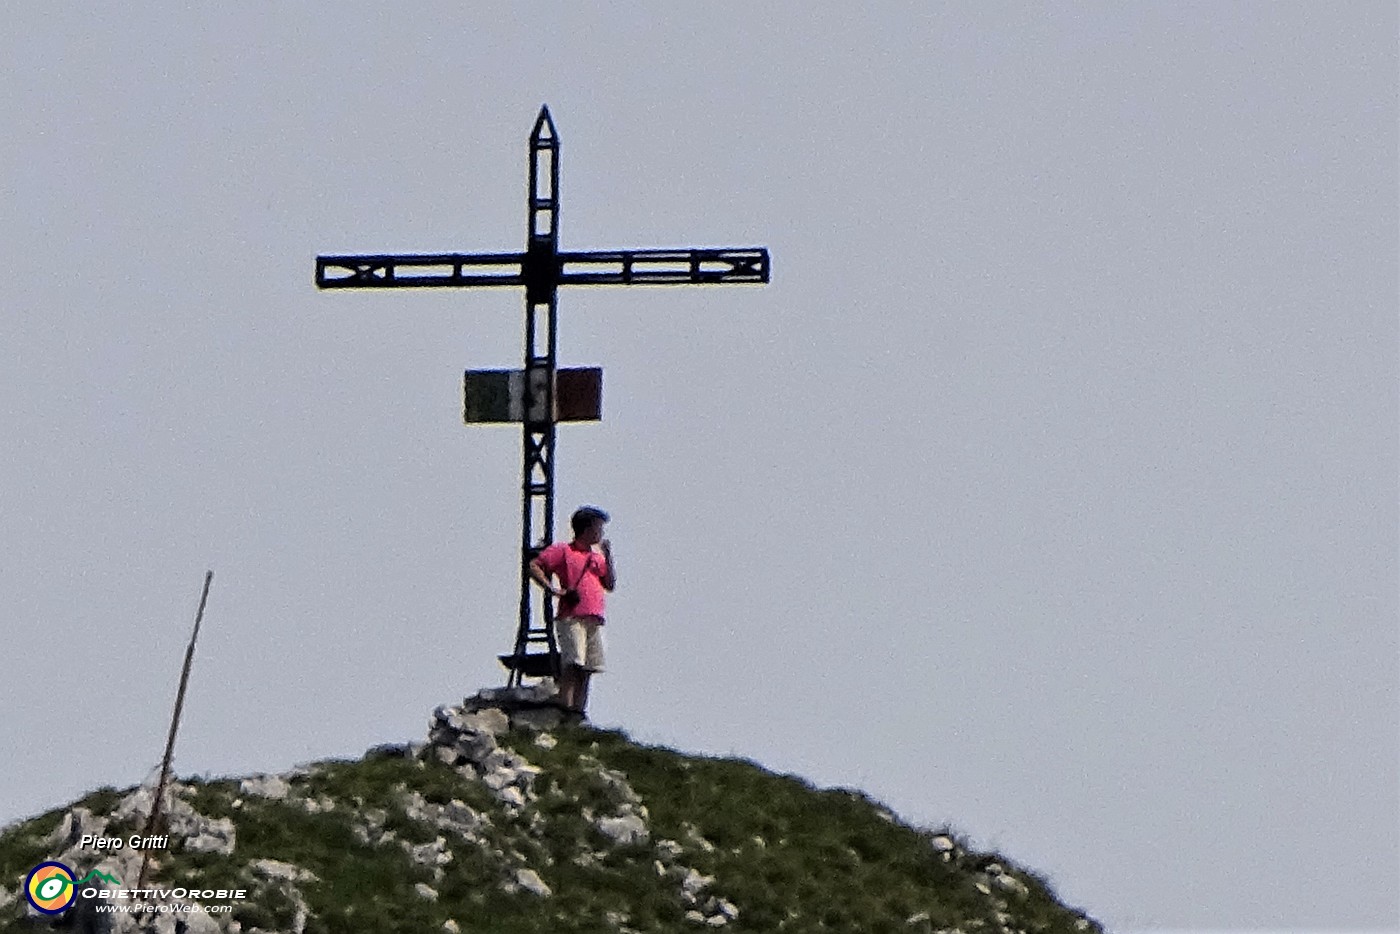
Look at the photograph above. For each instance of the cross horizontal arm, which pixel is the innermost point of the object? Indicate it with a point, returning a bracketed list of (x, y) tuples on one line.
[(602, 267), (441, 270), (664, 267)]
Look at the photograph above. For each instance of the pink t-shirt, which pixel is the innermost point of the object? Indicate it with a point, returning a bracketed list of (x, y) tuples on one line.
[(576, 568)]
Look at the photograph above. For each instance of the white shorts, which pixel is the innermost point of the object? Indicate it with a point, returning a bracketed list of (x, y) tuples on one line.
[(580, 641)]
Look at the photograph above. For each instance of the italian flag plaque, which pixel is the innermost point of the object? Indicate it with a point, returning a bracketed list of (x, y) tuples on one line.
[(498, 396)]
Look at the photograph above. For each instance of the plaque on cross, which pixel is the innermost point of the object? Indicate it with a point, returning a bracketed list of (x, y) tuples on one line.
[(539, 395)]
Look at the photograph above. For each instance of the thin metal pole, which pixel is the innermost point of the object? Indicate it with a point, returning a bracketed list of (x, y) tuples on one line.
[(174, 723)]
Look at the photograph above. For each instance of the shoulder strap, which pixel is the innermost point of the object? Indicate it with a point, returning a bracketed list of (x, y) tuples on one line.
[(588, 559)]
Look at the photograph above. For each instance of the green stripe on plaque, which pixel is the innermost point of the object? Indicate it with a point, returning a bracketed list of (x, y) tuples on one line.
[(487, 396)]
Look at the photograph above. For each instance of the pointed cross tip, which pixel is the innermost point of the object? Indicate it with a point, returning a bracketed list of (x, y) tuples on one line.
[(544, 125)]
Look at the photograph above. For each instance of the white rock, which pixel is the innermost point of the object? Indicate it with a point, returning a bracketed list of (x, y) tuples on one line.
[(617, 783), (458, 816), (475, 747), (918, 918), (1010, 884), (490, 720), (693, 882), (199, 922), (74, 825), (135, 806), (447, 755), (539, 718), (265, 786), (716, 921), (624, 830), (499, 779), (416, 807), (511, 797), (693, 915), (278, 871), (546, 741), (525, 773), (430, 854), (984, 888), (728, 909), (704, 844), (216, 836), (943, 844), (498, 759), (447, 716), (530, 881), (7, 898), (668, 849), (426, 891), (450, 926)]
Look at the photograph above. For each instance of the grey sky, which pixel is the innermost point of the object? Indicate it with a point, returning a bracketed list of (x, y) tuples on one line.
[(1050, 487)]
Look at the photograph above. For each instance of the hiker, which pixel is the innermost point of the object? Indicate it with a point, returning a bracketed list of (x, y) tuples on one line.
[(583, 575)]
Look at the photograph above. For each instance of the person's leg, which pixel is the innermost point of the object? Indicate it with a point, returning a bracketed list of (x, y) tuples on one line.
[(568, 686), (568, 636), (592, 662), (581, 691)]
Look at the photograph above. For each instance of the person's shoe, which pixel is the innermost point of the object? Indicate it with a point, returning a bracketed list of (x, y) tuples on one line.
[(573, 716)]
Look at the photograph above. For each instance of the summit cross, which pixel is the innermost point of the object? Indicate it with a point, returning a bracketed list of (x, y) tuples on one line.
[(541, 269)]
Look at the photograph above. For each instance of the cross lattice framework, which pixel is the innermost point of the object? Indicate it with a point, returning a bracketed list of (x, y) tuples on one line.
[(541, 269)]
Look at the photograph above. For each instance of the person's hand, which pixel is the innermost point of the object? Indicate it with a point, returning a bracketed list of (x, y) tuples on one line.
[(559, 592)]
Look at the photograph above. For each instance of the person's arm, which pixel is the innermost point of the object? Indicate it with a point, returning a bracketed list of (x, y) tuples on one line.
[(541, 577), (609, 579)]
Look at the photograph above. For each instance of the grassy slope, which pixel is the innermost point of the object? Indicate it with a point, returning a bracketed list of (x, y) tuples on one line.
[(791, 857)]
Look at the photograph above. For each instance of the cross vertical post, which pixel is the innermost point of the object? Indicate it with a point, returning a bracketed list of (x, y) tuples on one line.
[(541, 273)]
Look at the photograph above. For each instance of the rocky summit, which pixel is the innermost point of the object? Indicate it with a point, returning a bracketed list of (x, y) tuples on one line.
[(508, 818)]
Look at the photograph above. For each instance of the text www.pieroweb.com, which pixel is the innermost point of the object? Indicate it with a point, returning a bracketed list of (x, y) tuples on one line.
[(118, 908)]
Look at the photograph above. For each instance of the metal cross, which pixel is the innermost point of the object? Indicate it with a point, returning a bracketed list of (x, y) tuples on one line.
[(541, 269)]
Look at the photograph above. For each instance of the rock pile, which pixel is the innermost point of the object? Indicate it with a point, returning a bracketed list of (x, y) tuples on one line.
[(464, 738), (468, 737)]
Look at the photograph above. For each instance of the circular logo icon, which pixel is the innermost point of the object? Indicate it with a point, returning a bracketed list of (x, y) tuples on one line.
[(50, 888)]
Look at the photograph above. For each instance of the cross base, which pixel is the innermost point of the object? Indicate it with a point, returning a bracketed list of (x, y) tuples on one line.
[(533, 665)]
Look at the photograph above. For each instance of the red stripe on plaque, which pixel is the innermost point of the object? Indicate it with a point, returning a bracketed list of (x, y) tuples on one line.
[(578, 394)]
